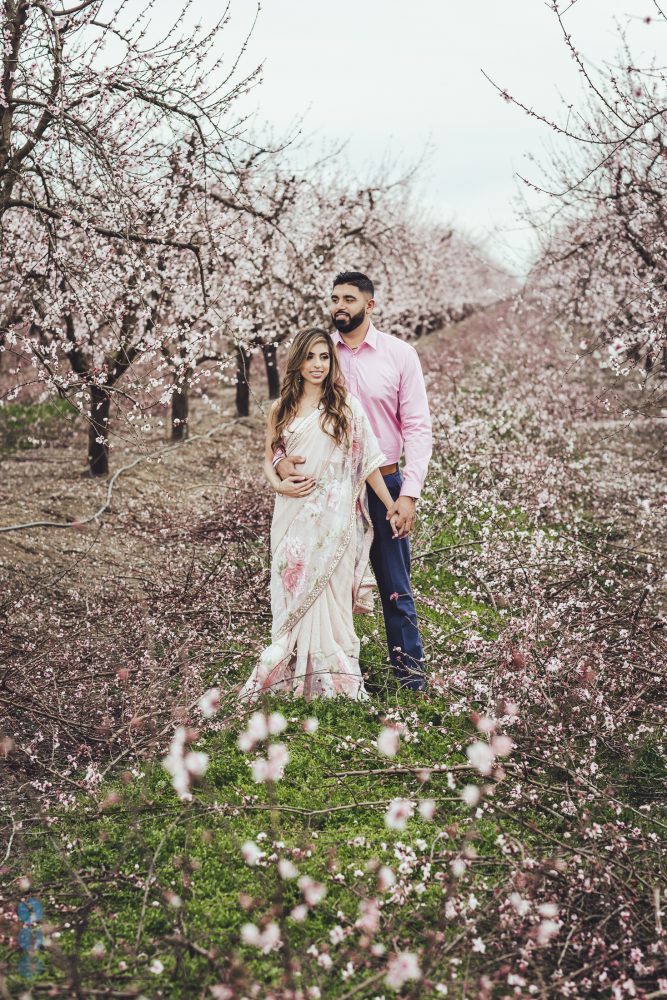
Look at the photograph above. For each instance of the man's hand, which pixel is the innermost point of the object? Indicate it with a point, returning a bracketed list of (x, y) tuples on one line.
[(296, 486), (288, 466), (405, 510)]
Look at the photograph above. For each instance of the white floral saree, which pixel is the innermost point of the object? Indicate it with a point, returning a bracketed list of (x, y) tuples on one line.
[(320, 546)]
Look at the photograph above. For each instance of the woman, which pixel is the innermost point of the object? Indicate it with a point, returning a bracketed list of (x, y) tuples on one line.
[(321, 531)]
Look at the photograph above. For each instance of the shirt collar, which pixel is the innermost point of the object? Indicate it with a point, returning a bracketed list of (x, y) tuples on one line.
[(371, 337)]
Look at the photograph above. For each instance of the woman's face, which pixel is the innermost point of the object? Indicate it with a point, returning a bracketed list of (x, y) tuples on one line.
[(315, 366)]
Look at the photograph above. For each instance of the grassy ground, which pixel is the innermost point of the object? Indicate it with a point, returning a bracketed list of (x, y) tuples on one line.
[(328, 816), (31, 425), (150, 894)]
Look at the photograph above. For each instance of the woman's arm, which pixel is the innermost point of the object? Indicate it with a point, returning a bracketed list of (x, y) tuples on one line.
[(270, 473), (291, 486), (379, 487)]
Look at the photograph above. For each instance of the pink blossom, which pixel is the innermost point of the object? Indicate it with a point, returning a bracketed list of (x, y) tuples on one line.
[(470, 795), (310, 725), (299, 913), (256, 731), (267, 940), (388, 741), (481, 756), (502, 746), (427, 809), (209, 703), (287, 869), (369, 916), (221, 992), (271, 767), (458, 867), (547, 930), (519, 904), (313, 892), (398, 814), (276, 723), (336, 934), (184, 767), (484, 724), (251, 853), (386, 878), (402, 967)]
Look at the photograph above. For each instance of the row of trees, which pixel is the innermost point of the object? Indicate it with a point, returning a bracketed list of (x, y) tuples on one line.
[(147, 242), (602, 265)]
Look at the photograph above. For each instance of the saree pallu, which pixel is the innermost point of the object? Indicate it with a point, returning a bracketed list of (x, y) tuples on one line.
[(320, 548)]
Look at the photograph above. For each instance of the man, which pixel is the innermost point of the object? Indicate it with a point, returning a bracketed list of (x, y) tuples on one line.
[(385, 375)]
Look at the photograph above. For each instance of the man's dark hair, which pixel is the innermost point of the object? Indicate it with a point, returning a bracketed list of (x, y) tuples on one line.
[(356, 278)]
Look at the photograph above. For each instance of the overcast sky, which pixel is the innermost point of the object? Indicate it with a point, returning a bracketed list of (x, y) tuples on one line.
[(392, 76)]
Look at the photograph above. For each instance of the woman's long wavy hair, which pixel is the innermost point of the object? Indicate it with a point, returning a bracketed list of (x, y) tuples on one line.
[(336, 415)]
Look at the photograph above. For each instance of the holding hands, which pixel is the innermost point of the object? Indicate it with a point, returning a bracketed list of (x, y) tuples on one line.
[(402, 514)]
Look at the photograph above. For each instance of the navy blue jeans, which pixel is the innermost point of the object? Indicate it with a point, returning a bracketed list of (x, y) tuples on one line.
[(390, 559)]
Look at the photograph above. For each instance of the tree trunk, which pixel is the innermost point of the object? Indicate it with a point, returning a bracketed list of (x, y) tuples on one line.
[(243, 358), (270, 353), (180, 410), (98, 450)]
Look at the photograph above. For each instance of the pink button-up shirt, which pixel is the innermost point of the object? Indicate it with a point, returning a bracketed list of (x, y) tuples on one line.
[(385, 375)]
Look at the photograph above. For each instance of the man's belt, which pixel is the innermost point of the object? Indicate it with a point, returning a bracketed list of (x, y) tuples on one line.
[(388, 470)]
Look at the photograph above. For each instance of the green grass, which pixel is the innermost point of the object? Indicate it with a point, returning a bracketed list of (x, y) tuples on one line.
[(30, 425), (195, 850)]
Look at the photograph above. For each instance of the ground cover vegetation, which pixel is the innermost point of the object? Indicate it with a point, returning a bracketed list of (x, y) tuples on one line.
[(502, 835)]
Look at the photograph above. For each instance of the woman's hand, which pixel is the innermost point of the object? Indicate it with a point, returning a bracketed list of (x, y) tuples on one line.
[(296, 486)]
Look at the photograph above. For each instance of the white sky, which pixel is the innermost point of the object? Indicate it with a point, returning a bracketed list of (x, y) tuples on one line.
[(394, 76)]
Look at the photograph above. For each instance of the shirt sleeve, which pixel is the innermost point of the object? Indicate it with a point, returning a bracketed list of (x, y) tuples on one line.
[(415, 421)]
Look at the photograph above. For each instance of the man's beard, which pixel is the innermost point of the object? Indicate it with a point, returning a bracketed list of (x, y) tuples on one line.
[(348, 326)]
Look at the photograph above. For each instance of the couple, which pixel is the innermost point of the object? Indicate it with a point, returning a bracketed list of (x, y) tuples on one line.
[(349, 405)]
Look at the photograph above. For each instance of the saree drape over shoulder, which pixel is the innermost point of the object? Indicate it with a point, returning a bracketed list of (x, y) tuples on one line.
[(320, 547)]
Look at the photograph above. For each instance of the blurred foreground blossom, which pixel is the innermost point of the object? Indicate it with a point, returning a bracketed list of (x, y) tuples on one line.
[(427, 809), (184, 766), (388, 741), (267, 940), (402, 967), (481, 756), (251, 853), (271, 767), (276, 723), (369, 916), (398, 814), (386, 878), (256, 731), (547, 930), (209, 703), (313, 892), (287, 869), (471, 795)]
